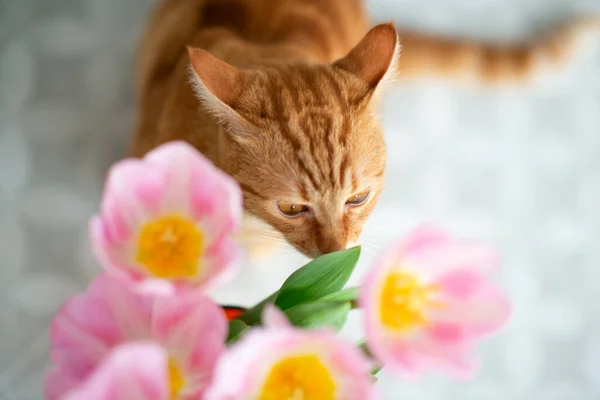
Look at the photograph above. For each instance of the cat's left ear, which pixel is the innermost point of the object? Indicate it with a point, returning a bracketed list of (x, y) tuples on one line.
[(218, 85), (374, 59)]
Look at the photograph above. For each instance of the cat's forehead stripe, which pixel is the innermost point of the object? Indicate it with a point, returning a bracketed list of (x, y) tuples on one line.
[(342, 104), (343, 168), (345, 125), (276, 93), (317, 126), (355, 182), (337, 159), (308, 110), (332, 155)]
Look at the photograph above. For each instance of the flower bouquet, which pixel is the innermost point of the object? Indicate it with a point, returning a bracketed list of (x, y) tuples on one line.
[(146, 328)]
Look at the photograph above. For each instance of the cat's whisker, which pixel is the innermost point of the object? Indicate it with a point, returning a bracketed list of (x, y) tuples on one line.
[(371, 251), (374, 245), (262, 242), (272, 237), (372, 248), (273, 245)]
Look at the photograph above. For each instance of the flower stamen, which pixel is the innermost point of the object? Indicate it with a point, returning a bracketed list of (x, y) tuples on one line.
[(176, 381), (405, 300), (301, 377), (170, 247)]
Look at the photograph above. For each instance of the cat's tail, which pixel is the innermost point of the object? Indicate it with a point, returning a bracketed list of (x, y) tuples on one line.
[(428, 56)]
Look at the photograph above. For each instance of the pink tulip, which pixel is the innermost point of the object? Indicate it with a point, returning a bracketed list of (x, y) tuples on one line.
[(166, 221), (281, 362), (191, 329), (136, 371), (427, 301)]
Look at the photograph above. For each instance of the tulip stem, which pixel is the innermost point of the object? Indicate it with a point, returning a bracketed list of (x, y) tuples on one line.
[(363, 346), (252, 315)]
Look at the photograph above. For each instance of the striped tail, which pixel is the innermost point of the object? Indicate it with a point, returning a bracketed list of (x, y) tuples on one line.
[(426, 56)]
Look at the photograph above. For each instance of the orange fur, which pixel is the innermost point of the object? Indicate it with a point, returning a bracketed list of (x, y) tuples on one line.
[(282, 95), (489, 63)]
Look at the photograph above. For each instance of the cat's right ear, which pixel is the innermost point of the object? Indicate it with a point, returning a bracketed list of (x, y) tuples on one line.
[(373, 60), (218, 85)]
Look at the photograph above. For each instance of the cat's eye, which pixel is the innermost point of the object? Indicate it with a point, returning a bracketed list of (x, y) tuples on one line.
[(291, 210), (358, 199)]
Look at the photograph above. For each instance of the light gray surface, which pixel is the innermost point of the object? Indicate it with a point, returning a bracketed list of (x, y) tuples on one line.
[(519, 169)]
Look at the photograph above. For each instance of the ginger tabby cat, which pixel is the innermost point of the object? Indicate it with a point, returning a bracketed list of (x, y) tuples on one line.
[(283, 95)]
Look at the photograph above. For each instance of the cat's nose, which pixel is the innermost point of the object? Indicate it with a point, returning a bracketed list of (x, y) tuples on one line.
[(332, 244)]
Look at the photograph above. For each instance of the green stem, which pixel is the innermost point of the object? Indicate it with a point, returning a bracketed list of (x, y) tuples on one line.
[(252, 315), (364, 347)]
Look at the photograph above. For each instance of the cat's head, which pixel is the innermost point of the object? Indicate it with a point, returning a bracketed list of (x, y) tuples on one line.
[(304, 141)]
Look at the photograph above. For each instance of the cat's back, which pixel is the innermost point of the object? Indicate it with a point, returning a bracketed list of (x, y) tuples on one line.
[(332, 24), (241, 32)]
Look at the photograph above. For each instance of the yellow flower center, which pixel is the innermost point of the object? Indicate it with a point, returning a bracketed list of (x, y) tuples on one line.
[(176, 381), (302, 377), (405, 301), (170, 247)]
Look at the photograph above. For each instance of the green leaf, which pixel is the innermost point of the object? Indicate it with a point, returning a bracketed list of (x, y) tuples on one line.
[(236, 329), (330, 314), (349, 294), (321, 277)]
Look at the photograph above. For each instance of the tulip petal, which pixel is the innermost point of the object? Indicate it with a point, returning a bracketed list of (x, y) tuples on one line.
[(135, 371), (215, 201), (475, 302), (273, 317), (132, 193), (431, 262)]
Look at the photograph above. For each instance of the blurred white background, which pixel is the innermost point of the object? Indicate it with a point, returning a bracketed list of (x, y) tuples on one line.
[(519, 169)]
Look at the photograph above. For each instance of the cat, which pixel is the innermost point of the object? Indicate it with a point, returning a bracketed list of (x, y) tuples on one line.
[(283, 95)]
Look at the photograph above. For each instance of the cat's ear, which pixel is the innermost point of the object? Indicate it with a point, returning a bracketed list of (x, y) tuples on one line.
[(374, 58), (217, 84)]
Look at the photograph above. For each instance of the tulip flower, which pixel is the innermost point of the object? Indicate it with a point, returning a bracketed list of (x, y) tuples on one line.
[(428, 300), (190, 329), (167, 220), (278, 361)]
